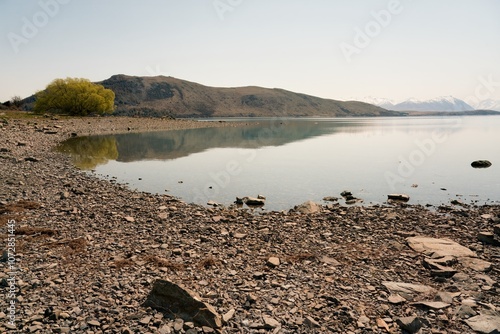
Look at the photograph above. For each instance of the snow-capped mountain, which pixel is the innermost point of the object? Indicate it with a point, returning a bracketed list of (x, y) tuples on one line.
[(443, 103), (486, 105)]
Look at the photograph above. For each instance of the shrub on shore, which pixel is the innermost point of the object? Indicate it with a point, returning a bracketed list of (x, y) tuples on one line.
[(74, 96)]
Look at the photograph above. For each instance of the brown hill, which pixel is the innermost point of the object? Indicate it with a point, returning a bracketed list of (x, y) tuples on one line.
[(171, 97)]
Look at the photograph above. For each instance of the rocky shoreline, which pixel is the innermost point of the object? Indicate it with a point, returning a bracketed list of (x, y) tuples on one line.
[(88, 253)]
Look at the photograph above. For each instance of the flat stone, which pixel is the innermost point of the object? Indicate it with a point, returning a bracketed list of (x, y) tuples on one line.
[(94, 323), (364, 320), (396, 299), (270, 322), (228, 315), (461, 277), (258, 275), (381, 323), (64, 315), (476, 264), (408, 288), (398, 197), (439, 247), (130, 219), (145, 320), (33, 329), (469, 302), (432, 305), (10, 326), (239, 235), (330, 261), (176, 300), (273, 262), (485, 323)]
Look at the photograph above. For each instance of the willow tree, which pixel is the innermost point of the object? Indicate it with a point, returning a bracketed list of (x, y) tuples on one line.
[(75, 96)]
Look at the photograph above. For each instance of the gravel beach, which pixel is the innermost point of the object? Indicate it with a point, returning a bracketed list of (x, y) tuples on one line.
[(88, 253)]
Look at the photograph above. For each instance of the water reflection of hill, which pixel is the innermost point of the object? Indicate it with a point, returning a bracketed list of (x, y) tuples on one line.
[(88, 152), (180, 143)]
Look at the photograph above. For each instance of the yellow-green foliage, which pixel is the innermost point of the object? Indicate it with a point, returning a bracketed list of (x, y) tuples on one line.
[(75, 96)]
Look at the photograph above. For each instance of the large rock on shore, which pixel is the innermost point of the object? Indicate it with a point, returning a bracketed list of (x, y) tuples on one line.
[(252, 201), (481, 164), (398, 197), (439, 247), (170, 298), (308, 207)]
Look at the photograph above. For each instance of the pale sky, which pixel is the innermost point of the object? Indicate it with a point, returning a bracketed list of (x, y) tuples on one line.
[(329, 48)]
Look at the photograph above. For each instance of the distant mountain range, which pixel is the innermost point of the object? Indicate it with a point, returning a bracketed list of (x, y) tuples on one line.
[(439, 104), (172, 97)]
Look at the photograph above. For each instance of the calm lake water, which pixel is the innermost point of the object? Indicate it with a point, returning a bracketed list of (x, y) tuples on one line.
[(290, 161)]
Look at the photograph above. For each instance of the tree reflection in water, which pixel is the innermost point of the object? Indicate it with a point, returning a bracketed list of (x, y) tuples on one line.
[(89, 152)]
